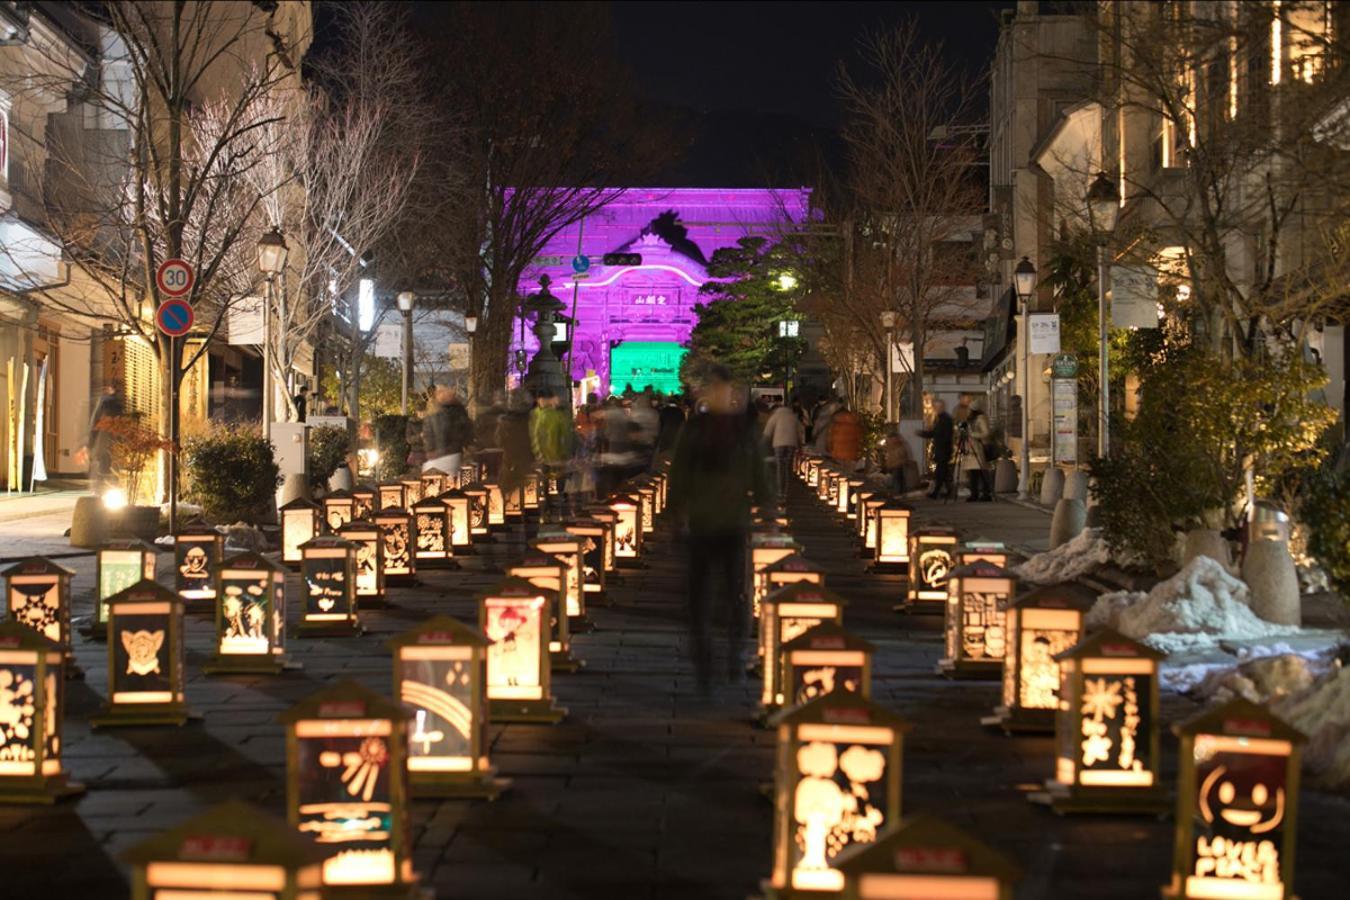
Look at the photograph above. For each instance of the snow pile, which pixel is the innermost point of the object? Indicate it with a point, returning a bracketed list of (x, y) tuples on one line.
[(1190, 610), (1068, 561), (243, 536)]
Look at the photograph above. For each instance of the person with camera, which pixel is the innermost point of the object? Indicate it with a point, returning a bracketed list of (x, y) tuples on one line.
[(972, 434)]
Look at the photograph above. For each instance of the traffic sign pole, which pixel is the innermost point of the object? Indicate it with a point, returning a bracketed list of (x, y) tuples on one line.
[(174, 278)]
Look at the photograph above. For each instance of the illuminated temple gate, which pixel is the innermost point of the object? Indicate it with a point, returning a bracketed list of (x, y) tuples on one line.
[(633, 320)]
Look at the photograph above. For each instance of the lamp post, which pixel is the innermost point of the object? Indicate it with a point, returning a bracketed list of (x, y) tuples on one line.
[(1024, 278), (272, 251), (471, 328), (406, 300), (888, 323), (1103, 202)]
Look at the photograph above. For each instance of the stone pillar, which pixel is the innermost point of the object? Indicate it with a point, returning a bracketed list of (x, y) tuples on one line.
[(1005, 477), (1269, 572), (1207, 542), (1052, 486), (1068, 521), (1076, 485)]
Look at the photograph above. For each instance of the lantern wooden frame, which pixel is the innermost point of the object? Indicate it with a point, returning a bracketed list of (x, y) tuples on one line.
[(477, 494), (1040, 624), (766, 548), (328, 558), (350, 730), (496, 506), (567, 547), (412, 489), (234, 849), (513, 698), (813, 468), (198, 550), (849, 507), (800, 570), (434, 481), (924, 856), (789, 612), (398, 534), (25, 655), (549, 573), (458, 535), (870, 510), (469, 472), (258, 641), (139, 650), (825, 659), (364, 499), (135, 560), (389, 495), (437, 667), (932, 556), (35, 610), (595, 542), (369, 541), (628, 537), (1255, 743), (431, 516), (825, 490), (610, 520), (513, 503), (339, 508), (646, 494), (812, 737), (974, 633), (300, 520), (893, 530), (529, 493)]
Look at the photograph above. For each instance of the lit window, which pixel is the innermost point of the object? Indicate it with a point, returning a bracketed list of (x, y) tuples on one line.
[(365, 304)]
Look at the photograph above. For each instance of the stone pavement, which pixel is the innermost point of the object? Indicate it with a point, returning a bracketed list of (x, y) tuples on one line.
[(644, 791), (36, 524)]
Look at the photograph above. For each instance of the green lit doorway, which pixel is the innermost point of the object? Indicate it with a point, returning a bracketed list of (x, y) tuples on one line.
[(638, 364)]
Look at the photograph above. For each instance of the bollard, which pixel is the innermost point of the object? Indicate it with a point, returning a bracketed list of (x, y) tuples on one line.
[(1005, 477), (1076, 485), (1269, 572), (1207, 542), (1069, 519), (1052, 486)]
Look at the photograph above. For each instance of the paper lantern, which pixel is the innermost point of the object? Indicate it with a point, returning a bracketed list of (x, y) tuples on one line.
[(514, 615), (824, 482), (146, 658), (647, 496), (628, 530), (513, 500), (1237, 805), (369, 541), (788, 613), (459, 512), (836, 784), (850, 507), (925, 857), (469, 472), (824, 659), (412, 489), (1106, 730), (477, 494), (932, 555), (121, 564), (398, 532), (434, 481), (197, 553), (339, 508), (328, 580), (432, 519), (363, 502), (391, 494), (233, 850), (813, 467), (530, 492), (1041, 624), (766, 548), (346, 785), (610, 520), (594, 539), (496, 505), (32, 701), (983, 551), (37, 594), (567, 547), (974, 634), (300, 521), (867, 525), (549, 573), (440, 675), (892, 550), (250, 617)]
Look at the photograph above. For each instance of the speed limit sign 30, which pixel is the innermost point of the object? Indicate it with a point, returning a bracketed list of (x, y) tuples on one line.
[(174, 277)]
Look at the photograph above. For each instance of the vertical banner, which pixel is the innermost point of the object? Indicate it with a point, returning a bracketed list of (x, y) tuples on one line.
[(12, 435), (1064, 400), (39, 426), (22, 398)]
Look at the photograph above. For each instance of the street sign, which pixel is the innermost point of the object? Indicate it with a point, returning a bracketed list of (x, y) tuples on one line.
[(1065, 365), (174, 317), (174, 277), (389, 340), (1044, 331), (547, 261), (622, 259), (581, 264)]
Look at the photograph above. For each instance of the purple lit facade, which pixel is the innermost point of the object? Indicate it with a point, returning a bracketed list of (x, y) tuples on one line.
[(676, 231)]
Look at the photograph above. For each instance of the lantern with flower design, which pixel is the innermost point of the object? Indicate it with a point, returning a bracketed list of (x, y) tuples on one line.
[(250, 617), (398, 534), (924, 856), (146, 658), (786, 614), (432, 519), (434, 481), (549, 573), (826, 658), (390, 494), (974, 634), (514, 615), (38, 597), (121, 564), (197, 553), (301, 520), (328, 579), (363, 502), (369, 541), (932, 555), (32, 701)]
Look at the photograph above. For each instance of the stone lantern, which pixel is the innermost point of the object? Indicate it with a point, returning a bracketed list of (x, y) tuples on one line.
[(546, 369)]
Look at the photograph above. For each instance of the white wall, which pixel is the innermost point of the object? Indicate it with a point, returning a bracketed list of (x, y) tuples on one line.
[(72, 407)]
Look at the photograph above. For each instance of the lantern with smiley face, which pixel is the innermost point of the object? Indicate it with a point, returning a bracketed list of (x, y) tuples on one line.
[(250, 617), (787, 613), (197, 552), (826, 658), (1237, 805), (975, 637), (924, 857), (146, 658), (32, 700), (514, 616), (932, 555)]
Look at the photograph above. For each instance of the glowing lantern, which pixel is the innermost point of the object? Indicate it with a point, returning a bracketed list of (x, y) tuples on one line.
[(790, 570), (434, 481), (848, 505), (440, 674), (932, 555), (1041, 624), (595, 542), (390, 494), (458, 512), (515, 617), (369, 541), (1237, 805), (469, 472), (567, 547), (813, 464), (32, 700), (197, 553), (251, 617), (529, 493), (788, 613), (647, 497), (412, 489), (38, 597), (432, 516), (926, 857), (233, 850), (662, 482), (300, 521), (514, 503), (892, 550), (867, 527), (982, 551), (975, 637), (120, 565), (824, 659), (496, 505), (398, 533), (837, 784), (549, 573), (766, 548), (628, 530), (145, 658), (858, 496), (328, 578), (339, 508), (610, 520), (823, 483), (477, 495), (346, 785), (1106, 730), (363, 503)]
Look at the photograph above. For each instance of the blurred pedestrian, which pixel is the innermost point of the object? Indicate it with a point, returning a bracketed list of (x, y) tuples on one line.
[(446, 432), (972, 436), (784, 434), (99, 448), (941, 434), (896, 456), (551, 442), (513, 436)]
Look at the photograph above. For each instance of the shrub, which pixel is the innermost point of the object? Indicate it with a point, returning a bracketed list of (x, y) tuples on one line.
[(328, 449), (1326, 513), (133, 445), (391, 439), (231, 473)]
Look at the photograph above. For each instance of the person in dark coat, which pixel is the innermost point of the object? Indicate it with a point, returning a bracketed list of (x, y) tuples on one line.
[(941, 433), (99, 447)]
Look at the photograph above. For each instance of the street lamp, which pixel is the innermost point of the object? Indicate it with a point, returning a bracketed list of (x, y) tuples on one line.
[(1103, 202), (406, 300), (272, 251), (471, 328), (1024, 278), (888, 323)]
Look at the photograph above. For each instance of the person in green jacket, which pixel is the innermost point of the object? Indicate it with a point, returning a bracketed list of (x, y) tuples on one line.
[(551, 441)]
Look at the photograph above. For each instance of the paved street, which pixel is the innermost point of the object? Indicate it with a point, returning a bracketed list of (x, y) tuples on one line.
[(645, 790)]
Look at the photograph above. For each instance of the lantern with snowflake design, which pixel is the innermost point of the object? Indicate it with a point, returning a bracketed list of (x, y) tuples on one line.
[(37, 594), (146, 658), (32, 701), (328, 581), (514, 615), (824, 659), (974, 635)]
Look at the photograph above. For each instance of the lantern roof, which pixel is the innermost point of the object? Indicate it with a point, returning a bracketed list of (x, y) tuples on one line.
[(363, 489), (14, 635), (251, 559), (436, 472), (127, 544), (600, 510), (440, 630), (339, 494), (37, 565), (794, 563), (1239, 718), (980, 569), (357, 525), (534, 558), (936, 847), (299, 503), (474, 487), (773, 538), (829, 636), (1065, 595), (327, 541), (934, 531), (979, 544), (555, 537), (1110, 644), (146, 591), (624, 497), (515, 586), (197, 529), (232, 832), (453, 493), (391, 512), (583, 522), (804, 592), (840, 707), (346, 699), (896, 503), (436, 501)]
